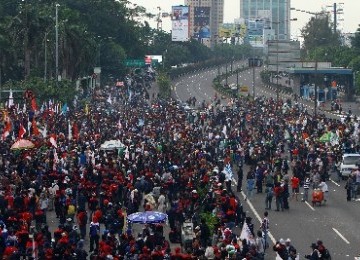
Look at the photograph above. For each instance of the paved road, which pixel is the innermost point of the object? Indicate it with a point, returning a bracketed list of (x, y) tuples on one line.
[(336, 223)]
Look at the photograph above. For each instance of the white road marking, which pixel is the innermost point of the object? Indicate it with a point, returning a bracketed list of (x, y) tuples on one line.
[(337, 184), (341, 236), (307, 203), (258, 216)]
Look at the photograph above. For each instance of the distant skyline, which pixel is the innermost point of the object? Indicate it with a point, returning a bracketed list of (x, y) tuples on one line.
[(350, 23)]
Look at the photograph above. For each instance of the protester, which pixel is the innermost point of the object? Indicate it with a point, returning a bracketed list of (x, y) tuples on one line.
[(171, 158)]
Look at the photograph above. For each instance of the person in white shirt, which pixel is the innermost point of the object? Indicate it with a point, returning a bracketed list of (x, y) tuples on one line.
[(324, 188)]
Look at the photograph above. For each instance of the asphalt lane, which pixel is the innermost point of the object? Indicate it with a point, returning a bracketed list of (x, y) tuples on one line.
[(199, 84), (336, 223)]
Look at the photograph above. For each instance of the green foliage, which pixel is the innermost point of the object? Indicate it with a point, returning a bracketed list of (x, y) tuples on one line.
[(211, 221), (265, 76), (228, 51), (164, 84), (46, 90), (355, 41), (176, 54), (319, 33)]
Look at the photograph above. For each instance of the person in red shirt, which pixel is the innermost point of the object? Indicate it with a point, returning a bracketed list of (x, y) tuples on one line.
[(295, 182), (278, 192), (177, 255), (82, 220)]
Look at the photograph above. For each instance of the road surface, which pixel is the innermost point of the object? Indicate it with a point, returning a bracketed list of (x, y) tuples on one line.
[(336, 223)]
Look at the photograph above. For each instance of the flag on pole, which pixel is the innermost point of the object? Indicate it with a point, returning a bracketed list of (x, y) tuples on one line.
[(64, 109), (56, 160), (228, 172), (69, 131), (44, 131), (34, 106), (246, 233), (224, 131), (109, 100), (35, 129), (22, 131), (53, 140), (86, 109), (11, 99)]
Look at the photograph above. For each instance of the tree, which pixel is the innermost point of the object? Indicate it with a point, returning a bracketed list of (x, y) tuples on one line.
[(318, 32), (164, 84), (177, 54), (355, 41)]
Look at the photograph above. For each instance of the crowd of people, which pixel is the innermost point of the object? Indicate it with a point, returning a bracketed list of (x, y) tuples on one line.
[(174, 160)]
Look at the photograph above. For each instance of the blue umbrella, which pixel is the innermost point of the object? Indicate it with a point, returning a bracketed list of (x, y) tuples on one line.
[(147, 217)]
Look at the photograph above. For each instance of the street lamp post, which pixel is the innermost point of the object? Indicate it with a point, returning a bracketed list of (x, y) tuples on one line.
[(45, 57), (316, 90), (226, 73)]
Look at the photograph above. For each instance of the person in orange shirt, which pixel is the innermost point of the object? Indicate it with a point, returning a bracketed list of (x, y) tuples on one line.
[(295, 182)]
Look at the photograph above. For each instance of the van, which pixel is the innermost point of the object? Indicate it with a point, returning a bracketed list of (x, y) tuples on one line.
[(349, 163)]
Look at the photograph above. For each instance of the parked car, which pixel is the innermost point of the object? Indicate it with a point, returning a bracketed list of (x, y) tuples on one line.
[(349, 162)]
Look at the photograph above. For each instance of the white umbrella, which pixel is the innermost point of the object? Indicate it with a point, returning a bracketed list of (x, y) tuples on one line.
[(112, 145)]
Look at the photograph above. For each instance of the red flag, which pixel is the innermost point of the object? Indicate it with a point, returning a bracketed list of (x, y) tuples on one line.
[(34, 106), (53, 140), (35, 129), (22, 131), (7, 129)]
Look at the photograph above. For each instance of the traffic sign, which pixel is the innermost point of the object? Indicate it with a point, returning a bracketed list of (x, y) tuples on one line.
[(134, 63), (140, 63), (244, 88)]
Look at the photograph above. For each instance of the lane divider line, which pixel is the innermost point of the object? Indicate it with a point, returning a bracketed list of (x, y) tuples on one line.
[(341, 236), (258, 217), (312, 208), (337, 184)]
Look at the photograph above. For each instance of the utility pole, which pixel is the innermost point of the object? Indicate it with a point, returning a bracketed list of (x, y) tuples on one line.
[(315, 98), (253, 79), (226, 71), (335, 17), (56, 45), (237, 78), (277, 69), (0, 84)]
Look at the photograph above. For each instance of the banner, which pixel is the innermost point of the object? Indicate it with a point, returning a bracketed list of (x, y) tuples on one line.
[(202, 23), (180, 23), (246, 234)]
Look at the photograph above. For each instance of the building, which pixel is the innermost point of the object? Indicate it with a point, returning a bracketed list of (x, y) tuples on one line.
[(267, 14), (206, 17), (282, 54)]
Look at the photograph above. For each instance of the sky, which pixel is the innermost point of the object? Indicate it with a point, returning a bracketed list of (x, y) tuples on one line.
[(350, 23)]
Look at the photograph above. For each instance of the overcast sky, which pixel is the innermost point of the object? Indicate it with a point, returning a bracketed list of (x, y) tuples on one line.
[(350, 16)]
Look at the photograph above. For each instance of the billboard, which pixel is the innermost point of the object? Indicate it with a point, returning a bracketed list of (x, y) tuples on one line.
[(180, 23), (202, 23), (228, 30)]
